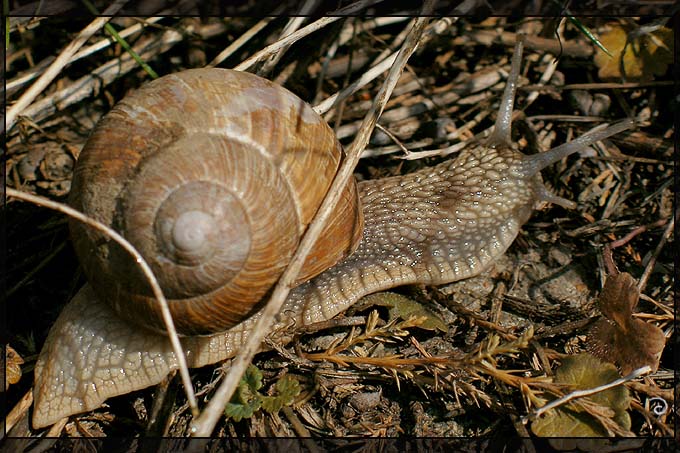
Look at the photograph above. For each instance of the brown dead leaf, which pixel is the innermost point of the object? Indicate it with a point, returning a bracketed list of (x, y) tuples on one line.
[(618, 337), (13, 361), (646, 54)]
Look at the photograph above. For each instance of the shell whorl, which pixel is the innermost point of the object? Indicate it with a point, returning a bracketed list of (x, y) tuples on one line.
[(207, 173)]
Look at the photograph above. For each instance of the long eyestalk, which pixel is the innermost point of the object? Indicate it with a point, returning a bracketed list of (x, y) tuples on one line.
[(501, 131), (535, 163)]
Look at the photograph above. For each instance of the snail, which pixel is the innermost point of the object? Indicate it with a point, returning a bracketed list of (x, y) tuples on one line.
[(216, 252)]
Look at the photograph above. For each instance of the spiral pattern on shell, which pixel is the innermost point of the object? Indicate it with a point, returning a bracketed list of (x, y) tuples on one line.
[(213, 175)]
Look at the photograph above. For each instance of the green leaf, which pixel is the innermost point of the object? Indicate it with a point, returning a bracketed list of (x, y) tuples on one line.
[(246, 399), (237, 412), (403, 308), (581, 372), (586, 31), (253, 378), (285, 391)]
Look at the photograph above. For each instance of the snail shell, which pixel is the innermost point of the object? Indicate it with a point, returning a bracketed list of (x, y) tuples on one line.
[(213, 175), (436, 225)]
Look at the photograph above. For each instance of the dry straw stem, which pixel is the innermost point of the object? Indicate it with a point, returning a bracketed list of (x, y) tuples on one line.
[(292, 26), (86, 52), (288, 40), (285, 42), (143, 265), (348, 32), (55, 68), (380, 66), (587, 392), (108, 72), (238, 43), (657, 251), (375, 71), (204, 425), (18, 410)]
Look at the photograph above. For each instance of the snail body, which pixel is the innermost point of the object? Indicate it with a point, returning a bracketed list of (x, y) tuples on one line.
[(433, 226)]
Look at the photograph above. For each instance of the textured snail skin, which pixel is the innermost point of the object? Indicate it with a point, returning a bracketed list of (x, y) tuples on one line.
[(437, 225), (434, 226)]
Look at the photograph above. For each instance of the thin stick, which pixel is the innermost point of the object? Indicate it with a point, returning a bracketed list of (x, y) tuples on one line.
[(62, 60), (244, 38), (375, 71), (652, 261), (87, 51), (204, 425), (105, 74), (294, 24), (301, 33), (148, 273), (19, 410), (376, 22), (586, 392), (284, 42)]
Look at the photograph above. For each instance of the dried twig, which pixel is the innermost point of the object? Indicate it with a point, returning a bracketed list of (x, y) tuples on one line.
[(586, 392), (288, 40), (373, 72), (145, 268), (652, 260), (204, 425), (238, 43), (62, 60), (86, 52), (108, 72)]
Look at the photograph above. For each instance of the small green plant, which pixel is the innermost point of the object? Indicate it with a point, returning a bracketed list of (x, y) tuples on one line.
[(247, 400), (402, 307), (602, 414)]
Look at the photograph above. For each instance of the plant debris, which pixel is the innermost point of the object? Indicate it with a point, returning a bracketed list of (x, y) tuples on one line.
[(247, 399), (637, 54), (403, 308), (592, 416), (12, 366), (620, 338)]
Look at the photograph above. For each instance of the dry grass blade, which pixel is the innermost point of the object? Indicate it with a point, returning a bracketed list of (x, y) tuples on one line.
[(650, 265), (293, 25), (108, 72), (56, 67), (148, 273), (285, 42), (18, 411), (206, 423), (238, 43), (384, 62), (288, 40), (581, 393), (18, 82)]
